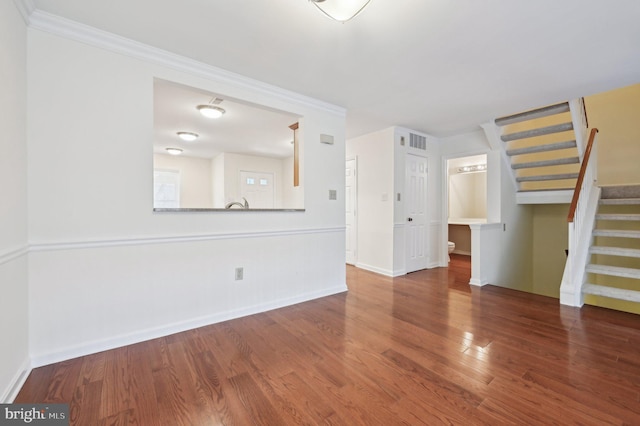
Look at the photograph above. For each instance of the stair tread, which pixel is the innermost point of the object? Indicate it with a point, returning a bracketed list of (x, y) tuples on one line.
[(617, 216), (619, 201), (616, 233), (615, 251), (533, 114), (556, 128), (542, 148), (621, 191), (617, 271), (612, 292), (537, 178), (544, 163)]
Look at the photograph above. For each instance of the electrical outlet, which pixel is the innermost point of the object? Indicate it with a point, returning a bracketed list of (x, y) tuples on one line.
[(333, 195), (239, 274)]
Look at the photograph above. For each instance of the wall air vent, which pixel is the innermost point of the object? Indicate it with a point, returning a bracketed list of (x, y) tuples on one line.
[(417, 141)]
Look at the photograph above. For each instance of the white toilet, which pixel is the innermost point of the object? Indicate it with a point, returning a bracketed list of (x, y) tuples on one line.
[(451, 248)]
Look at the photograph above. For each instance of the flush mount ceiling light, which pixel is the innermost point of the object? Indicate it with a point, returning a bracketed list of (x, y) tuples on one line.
[(340, 10), (174, 151), (188, 136), (210, 111)]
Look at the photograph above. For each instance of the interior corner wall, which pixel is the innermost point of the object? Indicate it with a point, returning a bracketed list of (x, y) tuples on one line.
[(375, 153), (104, 269), (515, 265), (515, 251), (14, 356), (550, 239)]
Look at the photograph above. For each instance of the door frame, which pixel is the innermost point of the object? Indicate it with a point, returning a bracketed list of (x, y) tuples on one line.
[(445, 198), (354, 231)]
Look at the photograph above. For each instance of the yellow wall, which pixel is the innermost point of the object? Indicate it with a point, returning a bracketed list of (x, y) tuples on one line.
[(550, 239), (615, 114)]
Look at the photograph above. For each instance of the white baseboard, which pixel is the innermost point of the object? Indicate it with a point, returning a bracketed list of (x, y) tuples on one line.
[(381, 271), (9, 395), (464, 253), (477, 282), (166, 330)]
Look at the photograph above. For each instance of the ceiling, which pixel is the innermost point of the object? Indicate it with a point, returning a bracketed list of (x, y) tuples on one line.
[(243, 129), (437, 66)]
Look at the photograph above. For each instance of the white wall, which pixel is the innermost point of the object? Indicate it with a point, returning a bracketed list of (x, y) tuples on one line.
[(375, 199), (14, 355), (195, 178), (217, 179), (468, 195), (292, 196), (105, 269)]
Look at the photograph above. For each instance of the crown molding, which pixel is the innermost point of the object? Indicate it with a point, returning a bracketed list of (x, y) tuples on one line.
[(26, 8), (76, 31)]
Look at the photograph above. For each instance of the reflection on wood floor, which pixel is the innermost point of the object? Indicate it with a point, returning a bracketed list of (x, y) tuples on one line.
[(420, 349)]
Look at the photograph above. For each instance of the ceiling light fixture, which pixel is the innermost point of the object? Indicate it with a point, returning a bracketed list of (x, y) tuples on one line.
[(210, 111), (188, 136), (340, 10), (472, 169), (174, 151)]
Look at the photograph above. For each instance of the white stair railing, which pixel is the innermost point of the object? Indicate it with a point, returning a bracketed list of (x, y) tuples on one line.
[(581, 218)]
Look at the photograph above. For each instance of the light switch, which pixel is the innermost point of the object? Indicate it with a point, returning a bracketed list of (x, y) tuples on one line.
[(333, 194)]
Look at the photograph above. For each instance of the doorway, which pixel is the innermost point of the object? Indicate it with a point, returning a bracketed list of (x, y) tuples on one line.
[(466, 202)]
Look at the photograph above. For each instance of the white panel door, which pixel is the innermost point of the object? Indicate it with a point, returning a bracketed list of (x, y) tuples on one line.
[(416, 212), (350, 202), (258, 189)]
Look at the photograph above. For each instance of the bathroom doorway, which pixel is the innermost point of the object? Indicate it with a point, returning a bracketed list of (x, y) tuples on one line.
[(467, 200)]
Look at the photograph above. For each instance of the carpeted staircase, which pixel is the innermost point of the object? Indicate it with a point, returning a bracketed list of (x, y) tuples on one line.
[(614, 266), (542, 149)]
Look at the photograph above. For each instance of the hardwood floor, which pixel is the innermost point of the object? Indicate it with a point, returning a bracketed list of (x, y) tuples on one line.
[(420, 349)]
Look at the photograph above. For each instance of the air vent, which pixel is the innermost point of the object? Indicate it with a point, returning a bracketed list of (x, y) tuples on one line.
[(417, 141)]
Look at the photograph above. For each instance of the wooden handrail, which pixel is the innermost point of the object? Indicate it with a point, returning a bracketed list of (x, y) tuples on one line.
[(583, 171)]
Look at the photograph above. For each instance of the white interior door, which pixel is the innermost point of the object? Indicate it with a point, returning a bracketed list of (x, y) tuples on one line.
[(258, 189), (416, 212), (350, 202)]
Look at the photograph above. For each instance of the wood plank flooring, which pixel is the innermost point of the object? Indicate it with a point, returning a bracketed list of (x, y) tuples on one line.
[(420, 349)]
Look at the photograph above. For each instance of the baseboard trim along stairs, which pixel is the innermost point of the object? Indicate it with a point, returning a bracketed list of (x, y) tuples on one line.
[(614, 267)]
